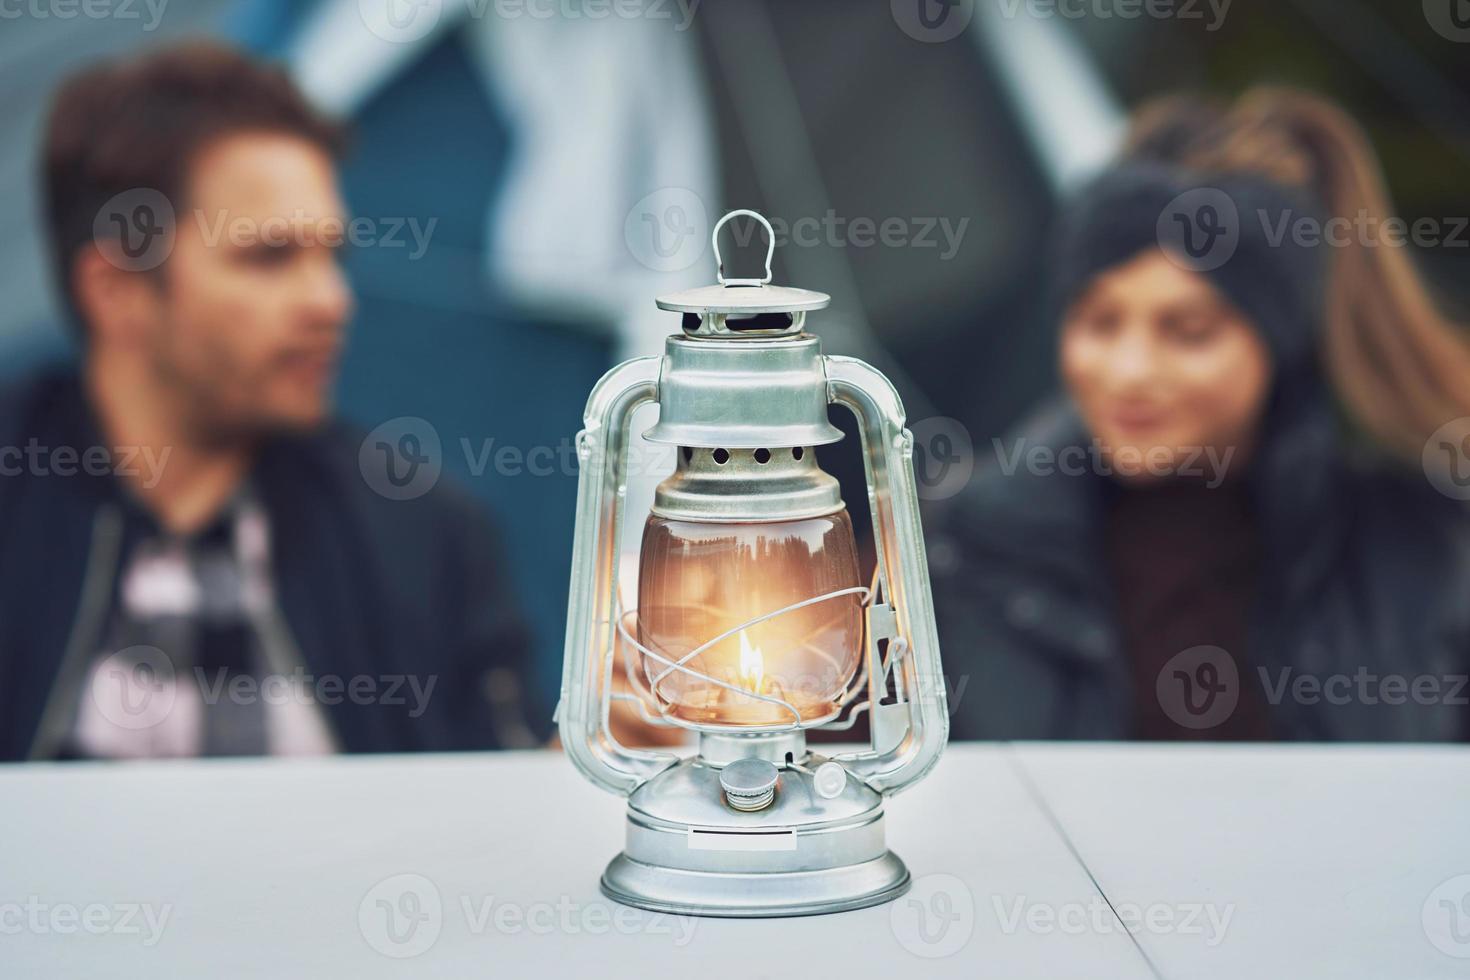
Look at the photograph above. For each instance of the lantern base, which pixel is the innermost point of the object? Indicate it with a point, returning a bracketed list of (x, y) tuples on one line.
[(755, 896), (690, 853)]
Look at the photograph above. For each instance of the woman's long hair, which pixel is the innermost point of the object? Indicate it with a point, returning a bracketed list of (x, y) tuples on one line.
[(1399, 366)]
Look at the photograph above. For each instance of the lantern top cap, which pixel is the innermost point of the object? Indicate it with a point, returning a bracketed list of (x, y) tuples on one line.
[(743, 296)]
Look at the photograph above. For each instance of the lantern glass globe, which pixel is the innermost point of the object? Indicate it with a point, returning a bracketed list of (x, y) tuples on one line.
[(698, 581)]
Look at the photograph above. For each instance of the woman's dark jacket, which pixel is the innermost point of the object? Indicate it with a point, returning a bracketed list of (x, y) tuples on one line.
[(1365, 580)]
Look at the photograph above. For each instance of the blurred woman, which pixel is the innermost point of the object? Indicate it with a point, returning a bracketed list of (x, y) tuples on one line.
[(1230, 529)]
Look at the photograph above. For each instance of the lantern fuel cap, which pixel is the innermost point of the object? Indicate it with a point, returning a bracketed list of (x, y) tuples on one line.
[(749, 784)]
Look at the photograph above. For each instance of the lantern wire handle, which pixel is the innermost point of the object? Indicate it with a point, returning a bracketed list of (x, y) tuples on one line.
[(843, 724), (714, 240), (732, 631), (680, 665), (658, 721), (643, 697), (769, 699)]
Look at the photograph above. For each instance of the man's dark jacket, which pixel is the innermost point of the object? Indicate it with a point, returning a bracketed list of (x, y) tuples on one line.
[(1366, 575), (368, 587)]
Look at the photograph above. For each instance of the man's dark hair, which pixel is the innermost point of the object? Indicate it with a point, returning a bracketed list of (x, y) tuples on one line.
[(131, 125)]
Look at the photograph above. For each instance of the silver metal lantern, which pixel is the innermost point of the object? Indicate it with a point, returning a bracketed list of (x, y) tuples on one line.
[(753, 623)]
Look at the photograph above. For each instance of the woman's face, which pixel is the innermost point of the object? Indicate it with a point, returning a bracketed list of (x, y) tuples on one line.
[(1163, 369)]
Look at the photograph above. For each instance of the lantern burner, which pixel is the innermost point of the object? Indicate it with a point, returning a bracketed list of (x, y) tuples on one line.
[(741, 686)]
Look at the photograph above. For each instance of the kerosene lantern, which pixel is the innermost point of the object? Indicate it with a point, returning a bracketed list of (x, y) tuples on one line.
[(753, 622)]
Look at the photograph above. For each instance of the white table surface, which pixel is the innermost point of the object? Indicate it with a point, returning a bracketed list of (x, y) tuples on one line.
[(1325, 861), (1331, 861)]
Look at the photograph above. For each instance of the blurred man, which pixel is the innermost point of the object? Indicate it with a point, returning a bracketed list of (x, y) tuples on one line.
[(194, 558)]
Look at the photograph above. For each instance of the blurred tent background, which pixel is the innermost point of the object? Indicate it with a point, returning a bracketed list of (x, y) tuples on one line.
[(549, 151)]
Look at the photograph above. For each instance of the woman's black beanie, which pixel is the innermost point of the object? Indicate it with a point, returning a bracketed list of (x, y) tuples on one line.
[(1240, 232)]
